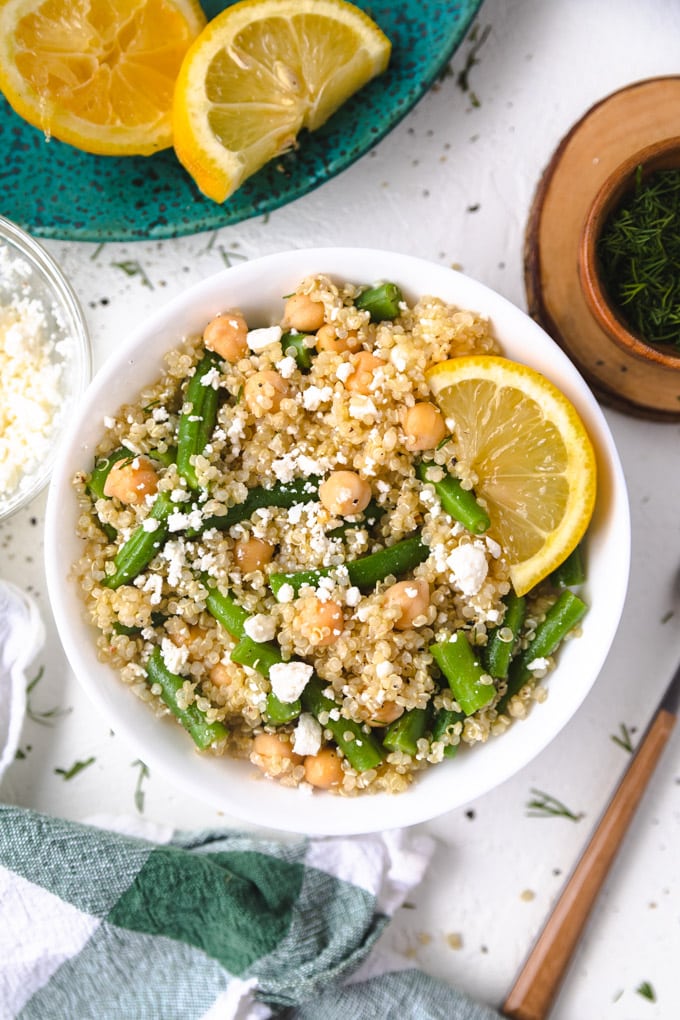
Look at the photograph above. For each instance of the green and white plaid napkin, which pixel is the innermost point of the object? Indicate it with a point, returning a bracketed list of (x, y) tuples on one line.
[(98, 924)]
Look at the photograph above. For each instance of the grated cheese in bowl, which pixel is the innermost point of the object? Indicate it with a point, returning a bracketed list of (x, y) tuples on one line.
[(44, 364)]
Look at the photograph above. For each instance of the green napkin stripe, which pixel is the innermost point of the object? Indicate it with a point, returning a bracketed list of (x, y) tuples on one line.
[(236, 907)]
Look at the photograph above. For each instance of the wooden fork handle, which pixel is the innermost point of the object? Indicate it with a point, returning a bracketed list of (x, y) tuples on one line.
[(533, 993)]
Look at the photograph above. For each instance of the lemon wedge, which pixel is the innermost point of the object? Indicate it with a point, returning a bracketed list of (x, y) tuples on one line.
[(98, 74), (260, 72), (529, 456)]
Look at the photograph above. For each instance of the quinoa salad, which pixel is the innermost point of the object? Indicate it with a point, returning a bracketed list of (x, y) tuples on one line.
[(272, 556)]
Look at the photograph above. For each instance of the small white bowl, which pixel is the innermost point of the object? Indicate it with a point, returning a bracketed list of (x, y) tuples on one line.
[(32, 283), (236, 787)]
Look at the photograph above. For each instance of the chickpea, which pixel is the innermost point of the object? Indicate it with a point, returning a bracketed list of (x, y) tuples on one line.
[(320, 622), (344, 493), (264, 391), (412, 597), (424, 426), (303, 314), (252, 553), (220, 675), (323, 769), (361, 379), (131, 481), (328, 340), (388, 713), (273, 749), (227, 336)]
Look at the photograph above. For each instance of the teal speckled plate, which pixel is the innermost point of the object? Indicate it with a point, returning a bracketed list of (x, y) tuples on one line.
[(54, 190)]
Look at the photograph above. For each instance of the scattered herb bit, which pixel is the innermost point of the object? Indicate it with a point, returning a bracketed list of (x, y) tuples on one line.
[(667, 617), (22, 755), (545, 806), (623, 738), (463, 78), (139, 793), (443, 442), (97, 252), (75, 769), (228, 257), (133, 268), (646, 991), (639, 252), (48, 717)]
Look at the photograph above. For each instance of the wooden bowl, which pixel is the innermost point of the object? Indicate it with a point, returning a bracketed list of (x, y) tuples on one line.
[(661, 155)]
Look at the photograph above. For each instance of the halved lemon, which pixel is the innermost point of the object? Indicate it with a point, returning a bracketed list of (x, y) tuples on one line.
[(529, 454), (260, 72), (98, 74)]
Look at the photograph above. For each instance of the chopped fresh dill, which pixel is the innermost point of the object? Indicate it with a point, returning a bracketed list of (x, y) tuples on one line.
[(623, 738), (139, 792), (639, 252), (646, 991), (133, 268), (77, 767), (48, 717), (544, 805)]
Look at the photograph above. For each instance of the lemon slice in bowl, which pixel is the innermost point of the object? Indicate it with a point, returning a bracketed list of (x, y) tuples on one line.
[(529, 456), (98, 74), (260, 72)]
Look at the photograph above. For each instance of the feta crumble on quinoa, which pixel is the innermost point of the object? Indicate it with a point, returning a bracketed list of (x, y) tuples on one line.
[(289, 679)]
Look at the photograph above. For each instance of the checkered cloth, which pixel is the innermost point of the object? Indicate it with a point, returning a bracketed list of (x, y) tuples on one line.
[(97, 924)]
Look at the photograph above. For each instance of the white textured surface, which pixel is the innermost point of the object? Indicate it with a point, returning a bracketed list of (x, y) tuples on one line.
[(453, 183)]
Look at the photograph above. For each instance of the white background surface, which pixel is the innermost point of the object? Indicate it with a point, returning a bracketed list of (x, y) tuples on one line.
[(497, 870)]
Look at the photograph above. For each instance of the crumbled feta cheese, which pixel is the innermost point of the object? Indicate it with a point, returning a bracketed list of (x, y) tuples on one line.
[(150, 524), (180, 495), (344, 371), (352, 596), (259, 339), (361, 406), (260, 627), (289, 679), (538, 664), (399, 359), (286, 593), (493, 547), (286, 366), (109, 422), (211, 378), (174, 656), (153, 583), (384, 669), (307, 735), (174, 552), (468, 567), (179, 522), (160, 414), (314, 396)]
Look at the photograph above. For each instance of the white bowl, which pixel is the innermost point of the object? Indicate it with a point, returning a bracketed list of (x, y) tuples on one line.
[(30, 278), (233, 786)]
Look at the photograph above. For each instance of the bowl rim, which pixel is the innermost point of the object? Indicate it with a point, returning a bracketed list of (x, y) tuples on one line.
[(266, 803), (49, 269), (659, 155)]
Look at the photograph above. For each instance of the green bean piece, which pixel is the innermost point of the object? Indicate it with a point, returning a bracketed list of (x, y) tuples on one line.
[(461, 666), (284, 495), (561, 618), (362, 750), (197, 422), (404, 733), (142, 545), (101, 469), (259, 655), (203, 733), (227, 612), (498, 652), (571, 572), (443, 720), (365, 572), (262, 655), (459, 503), (164, 457), (381, 302), (293, 345)]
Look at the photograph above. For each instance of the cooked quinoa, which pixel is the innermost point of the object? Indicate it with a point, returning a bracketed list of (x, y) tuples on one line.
[(334, 410)]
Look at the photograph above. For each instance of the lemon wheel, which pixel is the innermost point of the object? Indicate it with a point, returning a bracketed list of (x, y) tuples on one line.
[(527, 454)]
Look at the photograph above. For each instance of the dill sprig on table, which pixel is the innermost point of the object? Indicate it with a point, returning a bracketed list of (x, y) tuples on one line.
[(639, 251)]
